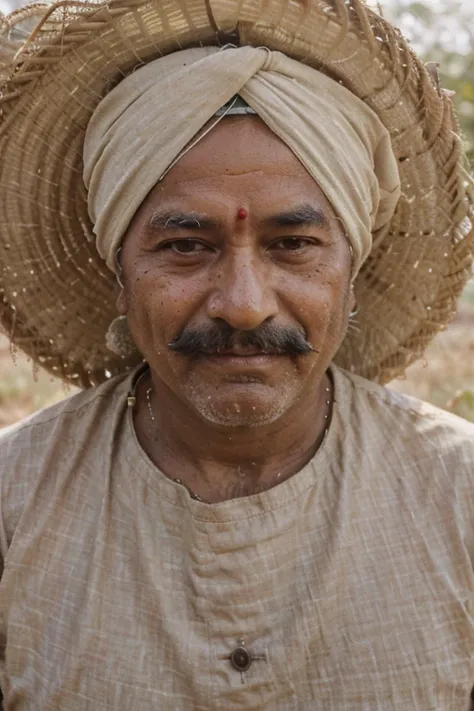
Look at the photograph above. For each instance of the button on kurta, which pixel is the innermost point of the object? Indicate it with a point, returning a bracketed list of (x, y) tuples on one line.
[(241, 659)]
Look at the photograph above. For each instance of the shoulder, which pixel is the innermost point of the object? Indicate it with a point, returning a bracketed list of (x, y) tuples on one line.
[(405, 421), (406, 445), (52, 423), (40, 454)]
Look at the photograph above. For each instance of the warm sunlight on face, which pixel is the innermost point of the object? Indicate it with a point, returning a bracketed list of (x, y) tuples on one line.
[(237, 278)]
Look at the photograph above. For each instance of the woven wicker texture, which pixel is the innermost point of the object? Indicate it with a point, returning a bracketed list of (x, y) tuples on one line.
[(58, 298)]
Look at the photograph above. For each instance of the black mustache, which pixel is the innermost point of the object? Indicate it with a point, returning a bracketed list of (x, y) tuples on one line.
[(280, 340)]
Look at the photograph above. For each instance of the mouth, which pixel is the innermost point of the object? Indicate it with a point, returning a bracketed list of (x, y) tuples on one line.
[(241, 352), (238, 358)]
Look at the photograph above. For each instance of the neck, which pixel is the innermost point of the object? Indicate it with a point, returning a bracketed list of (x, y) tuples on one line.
[(224, 463)]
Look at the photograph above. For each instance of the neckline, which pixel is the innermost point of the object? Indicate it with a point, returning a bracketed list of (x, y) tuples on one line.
[(282, 494)]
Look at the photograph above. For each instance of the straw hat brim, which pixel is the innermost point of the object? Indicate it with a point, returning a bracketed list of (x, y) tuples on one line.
[(58, 297)]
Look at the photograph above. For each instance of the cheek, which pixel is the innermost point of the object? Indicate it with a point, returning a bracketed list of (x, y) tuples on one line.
[(319, 300), (160, 306)]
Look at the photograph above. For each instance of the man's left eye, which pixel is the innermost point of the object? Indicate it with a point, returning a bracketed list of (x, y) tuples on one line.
[(185, 246), (293, 244)]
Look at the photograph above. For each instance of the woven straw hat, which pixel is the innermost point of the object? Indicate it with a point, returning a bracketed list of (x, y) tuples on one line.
[(57, 298)]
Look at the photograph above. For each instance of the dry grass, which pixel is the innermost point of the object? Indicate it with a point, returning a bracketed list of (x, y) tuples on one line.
[(444, 377), (23, 389)]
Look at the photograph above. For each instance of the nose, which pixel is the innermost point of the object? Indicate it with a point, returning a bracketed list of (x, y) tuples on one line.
[(243, 297)]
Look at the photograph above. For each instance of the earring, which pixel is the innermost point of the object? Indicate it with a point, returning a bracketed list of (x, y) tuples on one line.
[(118, 338), (354, 312)]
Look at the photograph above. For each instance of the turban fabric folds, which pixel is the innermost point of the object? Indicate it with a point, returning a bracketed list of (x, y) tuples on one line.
[(140, 128)]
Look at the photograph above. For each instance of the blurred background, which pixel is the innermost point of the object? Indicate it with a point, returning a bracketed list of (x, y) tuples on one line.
[(441, 31)]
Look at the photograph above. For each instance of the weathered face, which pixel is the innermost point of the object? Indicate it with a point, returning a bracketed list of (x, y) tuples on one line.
[(237, 260)]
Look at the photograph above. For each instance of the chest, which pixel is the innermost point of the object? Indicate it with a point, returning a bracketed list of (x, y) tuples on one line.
[(114, 610)]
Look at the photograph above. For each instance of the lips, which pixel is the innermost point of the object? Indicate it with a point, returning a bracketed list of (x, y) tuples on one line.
[(241, 353), (243, 361)]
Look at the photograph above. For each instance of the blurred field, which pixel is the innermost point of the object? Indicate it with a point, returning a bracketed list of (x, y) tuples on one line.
[(24, 390), (444, 377)]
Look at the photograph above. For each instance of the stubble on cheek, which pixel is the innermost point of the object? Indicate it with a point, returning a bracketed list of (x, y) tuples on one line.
[(146, 328), (332, 317)]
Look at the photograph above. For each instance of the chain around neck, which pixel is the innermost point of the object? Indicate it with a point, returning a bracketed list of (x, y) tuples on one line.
[(131, 401)]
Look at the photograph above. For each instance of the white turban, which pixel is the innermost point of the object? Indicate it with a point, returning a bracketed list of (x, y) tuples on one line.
[(144, 123)]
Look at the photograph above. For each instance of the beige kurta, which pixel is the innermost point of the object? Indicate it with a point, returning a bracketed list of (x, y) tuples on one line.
[(352, 581)]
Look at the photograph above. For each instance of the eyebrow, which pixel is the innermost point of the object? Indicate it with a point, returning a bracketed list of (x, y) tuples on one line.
[(304, 215), (168, 219)]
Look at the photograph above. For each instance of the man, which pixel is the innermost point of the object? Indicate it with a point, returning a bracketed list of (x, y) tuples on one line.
[(232, 520)]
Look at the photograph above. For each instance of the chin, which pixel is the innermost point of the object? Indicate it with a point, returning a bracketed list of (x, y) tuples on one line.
[(243, 411), (238, 419), (240, 404)]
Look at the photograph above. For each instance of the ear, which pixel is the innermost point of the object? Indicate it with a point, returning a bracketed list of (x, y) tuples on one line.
[(121, 303), (352, 301)]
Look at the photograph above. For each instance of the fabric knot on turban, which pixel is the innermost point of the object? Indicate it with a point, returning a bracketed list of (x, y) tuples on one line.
[(144, 123)]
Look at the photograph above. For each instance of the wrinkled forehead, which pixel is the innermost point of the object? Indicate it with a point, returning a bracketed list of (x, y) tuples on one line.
[(239, 163)]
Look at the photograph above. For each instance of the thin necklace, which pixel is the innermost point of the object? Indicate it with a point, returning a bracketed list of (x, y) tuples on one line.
[(131, 401), (191, 493), (148, 402)]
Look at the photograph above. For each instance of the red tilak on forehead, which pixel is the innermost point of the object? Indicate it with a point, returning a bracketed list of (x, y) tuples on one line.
[(242, 214)]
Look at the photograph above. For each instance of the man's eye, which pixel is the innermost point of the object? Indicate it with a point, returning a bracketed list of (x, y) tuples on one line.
[(292, 244), (185, 246)]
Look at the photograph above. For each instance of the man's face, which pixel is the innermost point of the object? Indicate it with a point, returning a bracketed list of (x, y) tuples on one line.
[(237, 260)]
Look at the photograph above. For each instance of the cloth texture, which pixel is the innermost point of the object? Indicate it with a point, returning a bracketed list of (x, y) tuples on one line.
[(144, 123), (353, 579)]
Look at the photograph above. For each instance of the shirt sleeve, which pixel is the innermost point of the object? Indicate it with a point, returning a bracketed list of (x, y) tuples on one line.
[(464, 473)]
